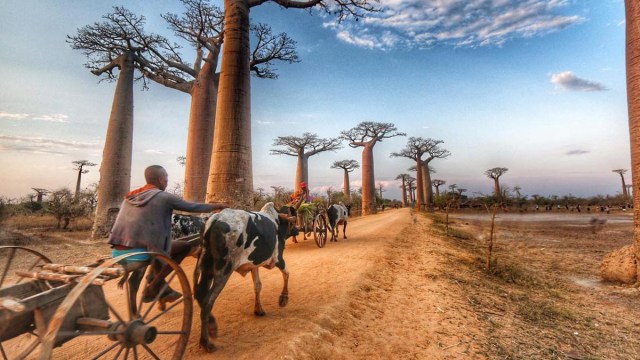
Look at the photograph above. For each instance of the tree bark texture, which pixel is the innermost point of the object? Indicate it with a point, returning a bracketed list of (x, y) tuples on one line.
[(231, 174), (346, 187), (302, 171), (204, 94), (368, 181), (404, 193), (77, 193), (426, 180), (419, 186), (632, 8), (115, 169), (624, 188)]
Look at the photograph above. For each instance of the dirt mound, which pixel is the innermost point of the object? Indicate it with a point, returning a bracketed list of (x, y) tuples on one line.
[(620, 266)]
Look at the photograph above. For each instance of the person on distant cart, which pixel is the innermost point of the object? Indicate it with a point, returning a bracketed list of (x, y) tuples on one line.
[(144, 224), (297, 199)]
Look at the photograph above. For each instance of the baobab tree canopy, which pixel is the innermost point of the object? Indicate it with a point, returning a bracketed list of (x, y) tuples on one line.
[(495, 173), (414, 150), (303, 147), (347, 165)]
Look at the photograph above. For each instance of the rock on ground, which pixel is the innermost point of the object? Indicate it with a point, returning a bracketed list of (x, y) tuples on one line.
[(620, 266)]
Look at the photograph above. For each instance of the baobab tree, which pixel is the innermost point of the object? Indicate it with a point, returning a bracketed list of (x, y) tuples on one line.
[(80, 168), (159, 60), (366, 135), (414, 150), (303, 147), (347, 166), (436, 184), (411, 181), (404, 178), (40, 192), (381, 189), (230, 178), (433, 151), (632, 11), (624, 185), (495, 173)]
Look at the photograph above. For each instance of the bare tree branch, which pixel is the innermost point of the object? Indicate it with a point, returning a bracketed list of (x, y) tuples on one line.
[(346, 165), (306, 145), (369, 133), (268, 48)]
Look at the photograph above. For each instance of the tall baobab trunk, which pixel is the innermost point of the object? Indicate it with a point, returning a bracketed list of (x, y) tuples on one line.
[(115, 169), (437, 192), (496, 189), (204, 94), (302, 171), (425, 175), (346, 187), (231, 174), (624, 188), (404, 193), (76, 195), (632, 8), (368, 181), (419, 186)]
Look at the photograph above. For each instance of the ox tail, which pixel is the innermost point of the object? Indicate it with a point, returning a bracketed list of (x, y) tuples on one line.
[(197, 272)]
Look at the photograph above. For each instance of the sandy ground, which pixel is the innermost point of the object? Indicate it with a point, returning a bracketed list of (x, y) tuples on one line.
[(397, 288)]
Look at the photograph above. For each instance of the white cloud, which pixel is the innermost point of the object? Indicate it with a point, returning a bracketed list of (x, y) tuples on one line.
[(43, 145), (154, 152), (566, 80), (60, 118), (458, 23)]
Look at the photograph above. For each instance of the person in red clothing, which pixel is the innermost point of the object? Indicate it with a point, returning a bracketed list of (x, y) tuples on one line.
[(144, 224)]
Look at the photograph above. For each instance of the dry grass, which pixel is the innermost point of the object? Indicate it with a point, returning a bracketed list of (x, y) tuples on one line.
[(529, 306), (42, 222)]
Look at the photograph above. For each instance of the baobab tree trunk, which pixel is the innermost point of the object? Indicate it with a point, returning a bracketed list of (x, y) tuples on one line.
[(204, 94), (77, 193), (115, 169), (404, 194), (419, 186), (624, 188), (496, 190), (368, 182), (346, 187), (302, 171), (632, 8), (437, 192), (426, 180), (231, 175)]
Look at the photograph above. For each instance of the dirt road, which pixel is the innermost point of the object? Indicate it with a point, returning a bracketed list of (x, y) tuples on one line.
[(369, 296)]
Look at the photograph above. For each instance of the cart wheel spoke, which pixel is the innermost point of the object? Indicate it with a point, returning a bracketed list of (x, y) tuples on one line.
[(135, 353), (6, 268), (126, 353), (176, 303), (105, 351), (4, 355), (114, 311), (172, 332), (157, 298), (150, 352), (118, 353)]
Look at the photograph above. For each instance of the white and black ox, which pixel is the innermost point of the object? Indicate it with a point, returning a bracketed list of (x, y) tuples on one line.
[(338, 214), (241, 241)]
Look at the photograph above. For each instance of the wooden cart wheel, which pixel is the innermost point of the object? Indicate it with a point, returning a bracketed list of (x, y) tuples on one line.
[(18, 258), (320, 230), (117, 321)]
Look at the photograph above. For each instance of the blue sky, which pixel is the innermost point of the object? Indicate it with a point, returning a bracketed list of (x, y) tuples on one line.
[(535, 86)]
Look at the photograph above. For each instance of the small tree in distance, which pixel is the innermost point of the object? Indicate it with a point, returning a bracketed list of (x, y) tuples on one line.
[(303, 147), (495, 173), (80, 168), (625, 194), (348, 166)]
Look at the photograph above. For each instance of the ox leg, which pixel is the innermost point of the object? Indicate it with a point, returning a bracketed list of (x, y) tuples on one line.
[(257, 287), (284, 296), (344, 230), (209, 328)]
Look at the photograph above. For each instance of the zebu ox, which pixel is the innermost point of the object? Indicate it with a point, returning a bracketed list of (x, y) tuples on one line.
[(338, 215), (241, 241)]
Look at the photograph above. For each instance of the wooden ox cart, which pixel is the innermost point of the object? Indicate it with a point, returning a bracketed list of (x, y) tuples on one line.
[(45, 305)]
